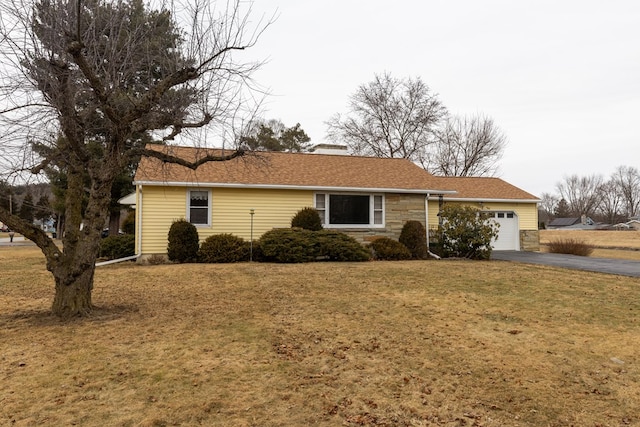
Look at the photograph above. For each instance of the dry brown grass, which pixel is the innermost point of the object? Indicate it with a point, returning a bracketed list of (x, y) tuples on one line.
[(598, 238), (607, 244), (416, 343)]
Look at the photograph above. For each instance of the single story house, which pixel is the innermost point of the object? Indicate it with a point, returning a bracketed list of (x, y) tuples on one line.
[(365, 197)]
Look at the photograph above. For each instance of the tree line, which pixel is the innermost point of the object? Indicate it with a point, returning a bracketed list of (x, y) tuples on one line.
[(611, 200), (29, 202)]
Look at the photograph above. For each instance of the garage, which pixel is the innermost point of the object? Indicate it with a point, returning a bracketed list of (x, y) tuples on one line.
[(508, 234)]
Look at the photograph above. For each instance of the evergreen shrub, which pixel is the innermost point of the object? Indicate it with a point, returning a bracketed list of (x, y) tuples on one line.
[(294, 245), (388, 249), (115, 247), (307, 218), (337, 246), (184, 242), (223, 248), (289, 245), (414, 237)]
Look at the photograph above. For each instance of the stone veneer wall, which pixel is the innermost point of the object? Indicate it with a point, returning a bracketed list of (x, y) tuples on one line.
[(399, 208), (529, 240)]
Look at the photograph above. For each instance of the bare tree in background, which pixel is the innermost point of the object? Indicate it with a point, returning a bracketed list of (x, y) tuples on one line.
[(582, 194), (89, 83), (389, 117), (548, 203), (392, 117), (467, 146), (610, 202), (627, 182)]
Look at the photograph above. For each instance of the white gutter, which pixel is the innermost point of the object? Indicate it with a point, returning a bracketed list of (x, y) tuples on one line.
[(293, 187), (477, 199), (426, 221)]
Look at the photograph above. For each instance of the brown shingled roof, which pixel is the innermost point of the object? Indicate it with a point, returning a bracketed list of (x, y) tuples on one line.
[(483, 188), (316, 171), (275, 169)]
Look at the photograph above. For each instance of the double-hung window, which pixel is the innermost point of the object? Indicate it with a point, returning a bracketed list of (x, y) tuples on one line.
[(350, 210), (199, 207)]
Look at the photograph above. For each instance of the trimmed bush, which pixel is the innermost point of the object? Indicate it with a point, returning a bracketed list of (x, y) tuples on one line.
[(223, 248), (183, 242), (414, 237), (115, 247), (571, 247), (307, 218), (294, 245), (290, 245), (336, 246), (255, 253), (388, 249)]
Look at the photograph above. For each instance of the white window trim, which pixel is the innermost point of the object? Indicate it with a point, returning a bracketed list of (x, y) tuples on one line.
[(188, 215), (327, 207)]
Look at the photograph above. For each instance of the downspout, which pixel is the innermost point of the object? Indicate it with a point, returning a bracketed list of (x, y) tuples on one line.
[(139, 220), (426, 221), (138, 232)]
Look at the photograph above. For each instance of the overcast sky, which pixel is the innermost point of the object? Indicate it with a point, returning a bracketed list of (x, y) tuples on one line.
[(561, 78)]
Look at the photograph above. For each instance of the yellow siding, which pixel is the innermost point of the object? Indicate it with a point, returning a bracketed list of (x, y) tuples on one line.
[(273, 209), (527, 212), (230, 212), (160, 207)]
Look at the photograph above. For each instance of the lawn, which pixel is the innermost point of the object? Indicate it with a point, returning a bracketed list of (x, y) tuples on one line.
[(422, 343)]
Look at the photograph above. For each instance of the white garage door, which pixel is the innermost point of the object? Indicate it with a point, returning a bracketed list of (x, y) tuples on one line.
[(508, 234)]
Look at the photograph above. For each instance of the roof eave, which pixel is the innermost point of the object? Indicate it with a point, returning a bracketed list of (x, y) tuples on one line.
[(294, 187), (487, 200)]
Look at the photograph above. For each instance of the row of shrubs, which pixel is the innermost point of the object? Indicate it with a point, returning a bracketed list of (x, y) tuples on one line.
[(283, 245), (465, 233), (305, 241)]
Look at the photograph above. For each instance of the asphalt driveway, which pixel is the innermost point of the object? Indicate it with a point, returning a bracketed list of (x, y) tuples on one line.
[(601, 265)]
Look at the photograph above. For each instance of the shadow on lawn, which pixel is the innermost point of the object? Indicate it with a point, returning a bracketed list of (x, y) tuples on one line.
[(43, 318)]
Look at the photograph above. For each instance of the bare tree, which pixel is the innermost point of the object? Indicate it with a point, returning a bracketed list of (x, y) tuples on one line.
[(581, 193), (548, 203), (389, 117), (467, 146), (89, 83), (627, 182), (610, 203)]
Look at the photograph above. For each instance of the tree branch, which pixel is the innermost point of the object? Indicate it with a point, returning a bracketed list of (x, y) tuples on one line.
[(33, 233), (168, 158)]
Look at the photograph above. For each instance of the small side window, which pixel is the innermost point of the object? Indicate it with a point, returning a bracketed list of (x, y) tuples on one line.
[(199, 207)]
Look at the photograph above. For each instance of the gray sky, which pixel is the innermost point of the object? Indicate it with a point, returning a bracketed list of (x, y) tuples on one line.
[(561, 78)]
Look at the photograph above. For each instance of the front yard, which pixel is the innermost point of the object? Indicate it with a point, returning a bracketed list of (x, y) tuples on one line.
[(418, 343)]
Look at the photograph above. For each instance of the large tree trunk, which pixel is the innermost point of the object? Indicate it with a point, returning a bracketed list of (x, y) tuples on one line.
[(74, 271), (73, 295)]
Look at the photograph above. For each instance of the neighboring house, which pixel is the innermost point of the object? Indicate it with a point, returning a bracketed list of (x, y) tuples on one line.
[(365, 197), (578, 223)]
